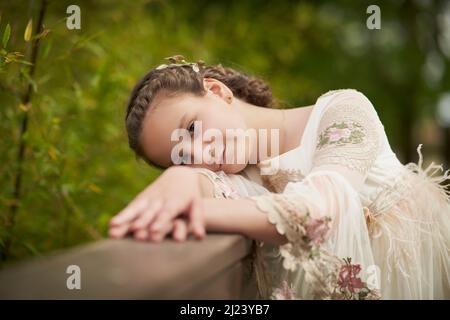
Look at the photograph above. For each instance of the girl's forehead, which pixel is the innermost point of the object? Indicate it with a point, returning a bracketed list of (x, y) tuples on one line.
[(165, 100), (156, 137), (158, 126)]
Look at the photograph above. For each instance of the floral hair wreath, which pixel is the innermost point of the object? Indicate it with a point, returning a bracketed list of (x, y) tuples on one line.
[(178, 61)]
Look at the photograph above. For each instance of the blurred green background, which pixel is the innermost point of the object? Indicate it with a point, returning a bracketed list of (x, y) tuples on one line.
[(66, 110)]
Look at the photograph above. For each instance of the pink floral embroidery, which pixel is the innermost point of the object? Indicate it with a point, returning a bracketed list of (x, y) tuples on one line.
[(348, 277), (341, 133), (336, 134), (347, 285), (316, 230), (350, 286), (286, 292)]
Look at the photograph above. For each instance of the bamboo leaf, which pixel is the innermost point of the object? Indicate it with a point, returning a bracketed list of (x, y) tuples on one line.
[(28, 31), (23, 62), (6, 35), (46, 49)]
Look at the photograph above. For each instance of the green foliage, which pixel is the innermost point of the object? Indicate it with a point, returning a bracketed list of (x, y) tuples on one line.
[(78, 170), (6, 35)]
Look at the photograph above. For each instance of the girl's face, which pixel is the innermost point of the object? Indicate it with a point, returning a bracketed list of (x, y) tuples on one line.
[(197, 115)]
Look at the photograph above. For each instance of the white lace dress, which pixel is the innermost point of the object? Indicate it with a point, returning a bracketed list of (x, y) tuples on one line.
[(360, 224)]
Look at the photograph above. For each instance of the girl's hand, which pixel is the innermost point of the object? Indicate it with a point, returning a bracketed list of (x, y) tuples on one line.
[(180, 229), (151, 215)]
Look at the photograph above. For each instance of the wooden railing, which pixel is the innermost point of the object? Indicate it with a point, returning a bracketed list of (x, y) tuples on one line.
[(217, 267)]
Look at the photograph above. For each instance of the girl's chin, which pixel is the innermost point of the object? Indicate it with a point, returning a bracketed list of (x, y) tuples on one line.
[(233, 168)]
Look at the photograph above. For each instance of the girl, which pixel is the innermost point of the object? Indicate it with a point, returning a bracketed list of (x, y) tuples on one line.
[(333, 213)]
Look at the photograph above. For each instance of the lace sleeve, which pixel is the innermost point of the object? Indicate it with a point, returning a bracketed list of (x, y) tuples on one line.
[(349, 137), (223, 188), (231, 186)]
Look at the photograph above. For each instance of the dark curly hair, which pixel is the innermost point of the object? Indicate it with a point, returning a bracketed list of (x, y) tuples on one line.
[(183, 79)]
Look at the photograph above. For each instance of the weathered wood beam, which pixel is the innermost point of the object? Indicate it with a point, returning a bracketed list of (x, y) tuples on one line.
[(214, 268)]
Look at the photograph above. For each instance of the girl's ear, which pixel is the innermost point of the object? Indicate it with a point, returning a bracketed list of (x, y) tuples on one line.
[(218, 88)]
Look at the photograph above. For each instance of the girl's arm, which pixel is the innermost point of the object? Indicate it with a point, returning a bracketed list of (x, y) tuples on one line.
[(151, 215), (240, 216), (236, 216)]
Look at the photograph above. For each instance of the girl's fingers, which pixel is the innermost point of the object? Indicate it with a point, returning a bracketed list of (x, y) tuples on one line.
[(165, 216), (168, 214), (118, 232), (129, 213), (160, 234), (196, 222), (180, 230), (141, 234), (144, 219)]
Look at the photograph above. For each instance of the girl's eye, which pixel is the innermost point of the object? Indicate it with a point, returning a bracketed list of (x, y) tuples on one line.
[(191, 128)]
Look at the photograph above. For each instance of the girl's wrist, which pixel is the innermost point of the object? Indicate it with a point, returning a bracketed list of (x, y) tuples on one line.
[(217, 216), (240, 216)]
